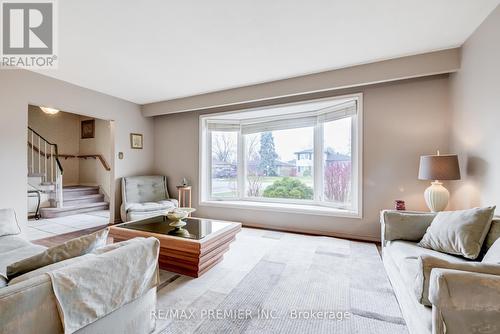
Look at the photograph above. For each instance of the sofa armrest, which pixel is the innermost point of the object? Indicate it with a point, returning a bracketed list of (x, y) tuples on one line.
[(465, 302), (29, 307), (404, 225), (429, 263)]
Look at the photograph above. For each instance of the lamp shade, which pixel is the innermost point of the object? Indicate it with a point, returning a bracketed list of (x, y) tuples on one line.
[(439, 167)]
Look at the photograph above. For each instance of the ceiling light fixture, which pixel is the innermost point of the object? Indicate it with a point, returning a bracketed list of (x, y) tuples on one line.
[(50, 111)]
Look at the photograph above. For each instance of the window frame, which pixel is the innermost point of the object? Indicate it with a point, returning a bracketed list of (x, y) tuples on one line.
[(315, 206)]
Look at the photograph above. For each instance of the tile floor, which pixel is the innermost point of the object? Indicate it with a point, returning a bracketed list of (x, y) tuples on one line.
[(44, 228)]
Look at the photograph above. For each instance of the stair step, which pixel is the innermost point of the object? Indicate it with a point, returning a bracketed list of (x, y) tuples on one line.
[(79, 191), (93, 198), (73, 209), (36, 174)]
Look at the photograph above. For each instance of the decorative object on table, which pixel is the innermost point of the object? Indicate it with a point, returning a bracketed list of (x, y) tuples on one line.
[(399, 205), (184, 196), (88, 129), (176, 216), (136, 141), (184, 182), (437, 168)]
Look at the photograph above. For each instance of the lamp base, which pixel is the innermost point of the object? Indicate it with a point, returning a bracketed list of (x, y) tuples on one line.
[(436, 197)]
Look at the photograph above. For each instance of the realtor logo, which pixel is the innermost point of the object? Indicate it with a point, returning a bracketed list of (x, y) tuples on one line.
[(28, 34)]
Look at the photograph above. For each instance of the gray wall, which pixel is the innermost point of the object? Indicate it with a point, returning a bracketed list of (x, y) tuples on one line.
[(21, 88), (475, 96), (402, 120)]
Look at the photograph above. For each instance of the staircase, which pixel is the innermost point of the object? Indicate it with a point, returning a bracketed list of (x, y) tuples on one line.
[(77, 199), (45, 182)]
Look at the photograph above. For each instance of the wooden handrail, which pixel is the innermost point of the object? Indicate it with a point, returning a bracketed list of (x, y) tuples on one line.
[(68, 156), (96, 156)]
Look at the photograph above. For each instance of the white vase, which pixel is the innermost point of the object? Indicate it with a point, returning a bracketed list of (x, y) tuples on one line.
[(436, 197)]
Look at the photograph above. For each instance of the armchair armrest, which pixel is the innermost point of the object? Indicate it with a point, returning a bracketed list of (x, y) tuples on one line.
[(465, 302), (404, 225), (429, 263)]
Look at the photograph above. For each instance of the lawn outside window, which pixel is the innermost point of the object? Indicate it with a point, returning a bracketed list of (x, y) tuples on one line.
[(300, 157)]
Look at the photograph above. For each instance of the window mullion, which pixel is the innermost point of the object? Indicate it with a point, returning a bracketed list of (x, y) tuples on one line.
[(208, 156), (318, 162), (241, 166)]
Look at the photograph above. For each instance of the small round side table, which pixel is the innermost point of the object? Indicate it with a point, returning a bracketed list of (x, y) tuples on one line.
[(184, 196)]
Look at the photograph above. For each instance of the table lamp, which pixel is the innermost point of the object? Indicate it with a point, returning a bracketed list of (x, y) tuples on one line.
[(437, 168)]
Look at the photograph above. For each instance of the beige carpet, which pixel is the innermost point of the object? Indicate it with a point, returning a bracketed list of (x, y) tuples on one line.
[(272, 282)]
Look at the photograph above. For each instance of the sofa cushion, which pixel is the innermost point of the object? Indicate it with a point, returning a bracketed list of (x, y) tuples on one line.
[(400, 250), (14, 248), (405, 255), (459, 232), (11, 242), (415, 314), (71, 248), (150, 206), (8, 222), (139, 189)]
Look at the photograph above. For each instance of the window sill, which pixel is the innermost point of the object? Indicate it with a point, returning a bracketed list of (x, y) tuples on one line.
[(282, 207)]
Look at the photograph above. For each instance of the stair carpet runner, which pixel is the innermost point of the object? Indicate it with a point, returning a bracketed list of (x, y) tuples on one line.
[(77, 199)]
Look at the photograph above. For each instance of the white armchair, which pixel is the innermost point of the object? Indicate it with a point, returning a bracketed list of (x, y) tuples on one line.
[(145, 196)]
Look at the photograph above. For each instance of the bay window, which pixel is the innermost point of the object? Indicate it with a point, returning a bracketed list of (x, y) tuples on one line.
[(303, 157)]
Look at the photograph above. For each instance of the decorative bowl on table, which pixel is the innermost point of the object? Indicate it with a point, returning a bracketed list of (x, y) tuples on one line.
[(176, 216)]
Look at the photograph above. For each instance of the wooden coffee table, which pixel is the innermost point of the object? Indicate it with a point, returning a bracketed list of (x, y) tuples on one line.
[(193, 251)]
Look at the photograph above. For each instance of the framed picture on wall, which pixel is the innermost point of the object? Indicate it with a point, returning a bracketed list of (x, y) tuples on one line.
[(136, 140), (88, 129)]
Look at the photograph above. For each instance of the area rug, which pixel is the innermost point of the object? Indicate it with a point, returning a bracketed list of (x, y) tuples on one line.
[(273, 282)]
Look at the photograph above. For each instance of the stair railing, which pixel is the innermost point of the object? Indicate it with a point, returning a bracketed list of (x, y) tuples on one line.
[(43, 159)]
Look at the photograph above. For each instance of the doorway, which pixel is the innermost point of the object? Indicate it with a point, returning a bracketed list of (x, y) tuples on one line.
[(70, 178)]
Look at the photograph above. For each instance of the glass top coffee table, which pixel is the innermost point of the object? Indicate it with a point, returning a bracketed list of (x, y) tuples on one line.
[(191, 250)]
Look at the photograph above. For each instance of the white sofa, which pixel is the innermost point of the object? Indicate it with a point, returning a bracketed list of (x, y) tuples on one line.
[(462, 301), (30, 306), (145, 196)]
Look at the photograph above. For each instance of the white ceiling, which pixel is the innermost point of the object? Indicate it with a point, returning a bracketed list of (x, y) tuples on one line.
[(148, 51)]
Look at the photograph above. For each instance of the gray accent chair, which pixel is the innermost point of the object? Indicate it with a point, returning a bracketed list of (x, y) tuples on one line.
[(462, 301), (30, 306), (145, 196)]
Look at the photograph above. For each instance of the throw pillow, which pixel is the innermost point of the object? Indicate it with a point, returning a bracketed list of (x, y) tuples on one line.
[(459, 232), (48, 268), (8, 222), (492, 256), (71, 248)]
